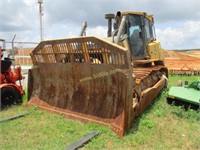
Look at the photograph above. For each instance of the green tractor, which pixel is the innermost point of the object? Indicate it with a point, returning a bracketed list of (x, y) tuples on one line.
[(187, 95)]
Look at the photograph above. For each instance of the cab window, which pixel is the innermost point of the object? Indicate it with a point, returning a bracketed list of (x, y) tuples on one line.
[(148, 31), (135, 35)]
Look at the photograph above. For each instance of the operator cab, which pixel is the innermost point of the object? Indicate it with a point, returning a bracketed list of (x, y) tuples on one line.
[(139, 29), (141, 32)]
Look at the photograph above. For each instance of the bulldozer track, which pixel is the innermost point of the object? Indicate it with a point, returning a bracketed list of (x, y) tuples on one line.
[(148, 77), (141, 72)]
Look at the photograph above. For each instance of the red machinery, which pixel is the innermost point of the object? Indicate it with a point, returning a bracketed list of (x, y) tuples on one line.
[(11, 93)]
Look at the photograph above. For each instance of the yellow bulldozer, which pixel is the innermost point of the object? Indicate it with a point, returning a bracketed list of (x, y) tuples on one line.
[(108, 80)]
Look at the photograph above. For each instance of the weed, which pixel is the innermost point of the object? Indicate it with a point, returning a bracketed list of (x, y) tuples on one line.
[(193, 115), (190, 114), (160, 110), (25, 98), (147, 123), (69, 130), (178, 111)]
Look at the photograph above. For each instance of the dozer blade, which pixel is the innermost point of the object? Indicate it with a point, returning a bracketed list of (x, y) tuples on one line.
[(86, 79)]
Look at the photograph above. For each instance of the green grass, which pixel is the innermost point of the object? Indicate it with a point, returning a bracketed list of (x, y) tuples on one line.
[(161, 126)]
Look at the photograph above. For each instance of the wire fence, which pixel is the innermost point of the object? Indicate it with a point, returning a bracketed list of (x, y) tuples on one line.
[(20, 52), (23, 57)]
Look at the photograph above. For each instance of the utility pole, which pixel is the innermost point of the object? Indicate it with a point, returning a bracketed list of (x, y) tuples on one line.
[(41, 14)]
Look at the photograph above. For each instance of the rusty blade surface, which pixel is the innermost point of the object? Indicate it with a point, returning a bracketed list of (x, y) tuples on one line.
[(84, 92)]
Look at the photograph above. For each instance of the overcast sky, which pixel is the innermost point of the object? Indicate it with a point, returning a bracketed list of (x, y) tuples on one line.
[(177, 22)]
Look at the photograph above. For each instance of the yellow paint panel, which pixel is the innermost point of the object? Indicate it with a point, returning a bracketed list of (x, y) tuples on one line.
[(154, 50)]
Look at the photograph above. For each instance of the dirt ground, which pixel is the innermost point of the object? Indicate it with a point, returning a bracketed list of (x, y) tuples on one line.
[(182, 59)]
